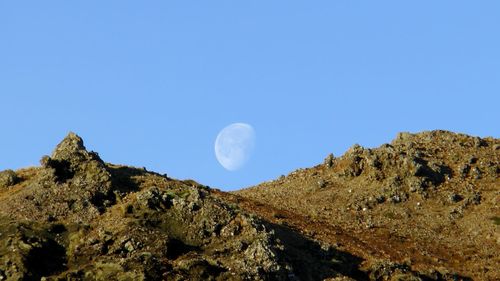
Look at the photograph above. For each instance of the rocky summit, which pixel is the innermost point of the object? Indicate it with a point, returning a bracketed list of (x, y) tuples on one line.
[(424, 207)]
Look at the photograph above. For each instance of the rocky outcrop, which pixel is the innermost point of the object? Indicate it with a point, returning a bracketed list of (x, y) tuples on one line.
[(78, 218), (423, 205), (8, 178)]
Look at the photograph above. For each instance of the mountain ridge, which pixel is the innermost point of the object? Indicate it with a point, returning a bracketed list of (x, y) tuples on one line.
[(424, 207), (432, 181)]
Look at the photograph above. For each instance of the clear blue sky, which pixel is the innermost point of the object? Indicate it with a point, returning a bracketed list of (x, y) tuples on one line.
[(151, 83)]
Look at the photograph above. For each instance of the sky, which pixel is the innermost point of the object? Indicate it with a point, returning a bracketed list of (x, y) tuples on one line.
[(151, 83)]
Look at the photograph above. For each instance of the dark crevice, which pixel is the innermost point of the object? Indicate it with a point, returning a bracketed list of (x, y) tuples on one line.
[(121, 178), (177, 248), (46, 260), (63, 171), (102, 200)]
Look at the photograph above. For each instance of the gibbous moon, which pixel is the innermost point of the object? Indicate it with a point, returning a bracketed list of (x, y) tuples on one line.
[(234, 145)]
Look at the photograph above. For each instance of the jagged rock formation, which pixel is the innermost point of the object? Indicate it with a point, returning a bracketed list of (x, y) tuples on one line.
[(424, 207), (79, 218)]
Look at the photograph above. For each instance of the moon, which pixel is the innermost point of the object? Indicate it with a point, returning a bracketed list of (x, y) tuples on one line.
[(234, 145)]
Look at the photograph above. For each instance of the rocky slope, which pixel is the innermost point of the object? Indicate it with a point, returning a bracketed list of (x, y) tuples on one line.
[(427, 203), (424, 207), (79, 218)]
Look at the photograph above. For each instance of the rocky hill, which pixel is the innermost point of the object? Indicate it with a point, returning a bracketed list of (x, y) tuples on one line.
[(427, 203), (424, 207)]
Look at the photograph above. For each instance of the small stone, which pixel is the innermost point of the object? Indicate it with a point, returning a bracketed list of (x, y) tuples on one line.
[(476, 173), (374, 162), (321, 183), (396, 199), (464, 170), (474, 199), (8, 178), (45, 161), (380, 199), (404, 136), (329, 160), (356, 149), (129, 246), (478, 142), (453, 198)]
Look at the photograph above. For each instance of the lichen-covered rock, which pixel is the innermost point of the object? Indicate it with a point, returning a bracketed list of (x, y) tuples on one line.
[(329, 160), (8, 178), (72, 149)]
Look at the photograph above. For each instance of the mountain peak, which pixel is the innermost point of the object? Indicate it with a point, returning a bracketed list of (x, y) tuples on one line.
[(70, 145)]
